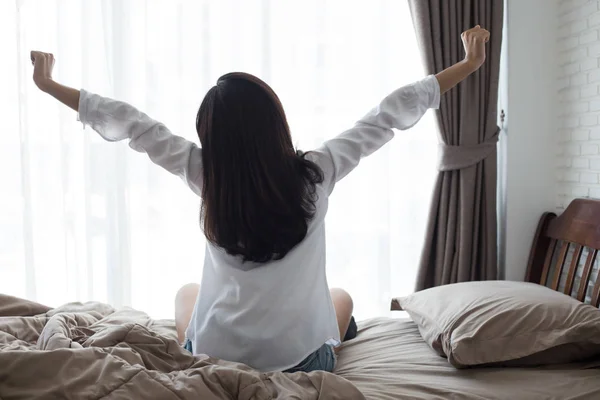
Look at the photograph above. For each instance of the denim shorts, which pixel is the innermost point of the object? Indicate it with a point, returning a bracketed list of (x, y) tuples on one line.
[(188, 345), (323, 359)]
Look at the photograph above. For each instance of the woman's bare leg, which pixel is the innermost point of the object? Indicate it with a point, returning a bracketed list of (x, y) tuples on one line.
[(342, 302), (184, 306)]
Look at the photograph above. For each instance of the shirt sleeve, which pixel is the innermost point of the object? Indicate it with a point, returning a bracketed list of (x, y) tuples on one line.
[(116, 120), (402, 109)]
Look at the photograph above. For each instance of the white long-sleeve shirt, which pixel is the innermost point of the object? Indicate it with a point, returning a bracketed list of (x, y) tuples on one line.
[(271, 317)]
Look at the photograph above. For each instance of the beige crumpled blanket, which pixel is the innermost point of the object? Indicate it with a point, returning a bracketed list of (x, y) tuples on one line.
[(92, 351)]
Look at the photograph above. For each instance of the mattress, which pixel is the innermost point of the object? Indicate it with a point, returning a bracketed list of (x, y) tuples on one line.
[(389, 360), (107, 353)]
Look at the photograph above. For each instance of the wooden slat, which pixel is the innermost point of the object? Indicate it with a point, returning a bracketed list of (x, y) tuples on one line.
[(578, 225), (573, 269), (564, 249), (539, 248), (585, 277), (596, 292), (548, 261)]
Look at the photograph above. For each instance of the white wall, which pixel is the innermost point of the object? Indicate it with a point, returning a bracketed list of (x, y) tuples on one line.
[(578, 130), (531, 124)]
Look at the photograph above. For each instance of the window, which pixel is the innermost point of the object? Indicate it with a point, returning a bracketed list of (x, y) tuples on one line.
[(83, 219)]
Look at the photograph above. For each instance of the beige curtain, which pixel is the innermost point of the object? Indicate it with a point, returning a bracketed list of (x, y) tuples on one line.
[(460, 243)]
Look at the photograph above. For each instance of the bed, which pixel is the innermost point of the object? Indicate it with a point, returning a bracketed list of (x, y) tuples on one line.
[(93, 351), (390, 360)]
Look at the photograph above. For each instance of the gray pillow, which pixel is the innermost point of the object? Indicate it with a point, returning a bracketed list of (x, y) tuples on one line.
[(505, 323)]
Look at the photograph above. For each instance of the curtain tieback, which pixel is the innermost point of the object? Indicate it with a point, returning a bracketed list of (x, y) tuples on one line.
[(458, 157)]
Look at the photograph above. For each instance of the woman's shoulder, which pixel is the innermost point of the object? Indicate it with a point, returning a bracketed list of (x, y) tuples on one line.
[(322, 158)]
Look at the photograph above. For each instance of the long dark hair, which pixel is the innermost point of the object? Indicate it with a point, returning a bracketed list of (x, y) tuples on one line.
[(259, 193)]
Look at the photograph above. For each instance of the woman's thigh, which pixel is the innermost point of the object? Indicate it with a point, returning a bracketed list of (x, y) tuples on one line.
[(185, 300)]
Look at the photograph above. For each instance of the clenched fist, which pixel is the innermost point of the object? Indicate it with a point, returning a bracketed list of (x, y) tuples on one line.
[(43, 63), (474, 41)]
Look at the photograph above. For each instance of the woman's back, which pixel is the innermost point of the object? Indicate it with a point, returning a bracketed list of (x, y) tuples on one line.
[(257, 314), (258, 192)]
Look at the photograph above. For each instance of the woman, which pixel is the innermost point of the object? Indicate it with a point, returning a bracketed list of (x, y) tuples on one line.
[(263, 299)]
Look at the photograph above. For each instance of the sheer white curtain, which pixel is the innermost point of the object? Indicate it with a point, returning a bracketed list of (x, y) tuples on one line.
[(82, 219)]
